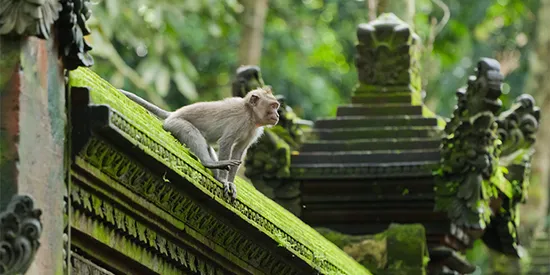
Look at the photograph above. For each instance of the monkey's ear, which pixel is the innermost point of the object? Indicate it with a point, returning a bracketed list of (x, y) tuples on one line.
[(253, 100), (268, 89)]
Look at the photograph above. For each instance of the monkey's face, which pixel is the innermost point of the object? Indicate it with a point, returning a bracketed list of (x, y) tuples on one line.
[(272, 116), (265, 107)]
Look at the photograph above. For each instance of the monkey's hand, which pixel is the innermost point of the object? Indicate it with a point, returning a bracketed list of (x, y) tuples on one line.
[(222, 164), (230, 187)]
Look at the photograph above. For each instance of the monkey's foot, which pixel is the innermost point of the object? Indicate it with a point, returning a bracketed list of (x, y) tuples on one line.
[(222, 164), (230, 187)]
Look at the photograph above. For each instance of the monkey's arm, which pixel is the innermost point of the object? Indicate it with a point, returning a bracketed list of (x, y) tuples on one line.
[(239, 150), (229, 151), (237, 154), (146, 104)]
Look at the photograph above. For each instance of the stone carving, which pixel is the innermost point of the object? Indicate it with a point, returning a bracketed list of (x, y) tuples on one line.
[(247, 79), (517, 130), (93, 209), (28, 17), (20, 230), (384, 50), (470, 150), (517, 127), (81, 265), (72, 28)]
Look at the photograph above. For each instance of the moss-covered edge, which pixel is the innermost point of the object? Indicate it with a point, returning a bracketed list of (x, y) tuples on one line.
[(101, 92), (400, 249)]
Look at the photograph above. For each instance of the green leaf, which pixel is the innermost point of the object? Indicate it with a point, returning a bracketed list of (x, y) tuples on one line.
[(175, 61), (162, 82), (185, 86), (101, 45)]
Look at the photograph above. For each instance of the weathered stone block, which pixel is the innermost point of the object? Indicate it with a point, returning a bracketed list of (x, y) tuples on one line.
[(401, 249)]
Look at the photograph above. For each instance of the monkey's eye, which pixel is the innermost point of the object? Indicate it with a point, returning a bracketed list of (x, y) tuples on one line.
[(275, 106)]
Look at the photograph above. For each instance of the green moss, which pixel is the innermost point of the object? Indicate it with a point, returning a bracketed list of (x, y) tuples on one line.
[(103, 93), (502, 183), (401, 249)]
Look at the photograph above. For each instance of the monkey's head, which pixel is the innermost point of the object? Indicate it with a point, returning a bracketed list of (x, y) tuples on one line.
[(264, 106)]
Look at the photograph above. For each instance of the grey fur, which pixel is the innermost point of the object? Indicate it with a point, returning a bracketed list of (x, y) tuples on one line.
[(234, 123)]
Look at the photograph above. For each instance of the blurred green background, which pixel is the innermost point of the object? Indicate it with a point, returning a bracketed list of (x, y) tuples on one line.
[(187, 50), (178, 52)]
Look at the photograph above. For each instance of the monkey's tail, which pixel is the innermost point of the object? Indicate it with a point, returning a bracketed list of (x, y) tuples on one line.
[(147, 105)]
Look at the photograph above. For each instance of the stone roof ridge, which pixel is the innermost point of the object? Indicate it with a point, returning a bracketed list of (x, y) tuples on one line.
[(140, 135)]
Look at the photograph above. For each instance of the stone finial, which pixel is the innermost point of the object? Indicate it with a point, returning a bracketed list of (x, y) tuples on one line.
[(387, 54)]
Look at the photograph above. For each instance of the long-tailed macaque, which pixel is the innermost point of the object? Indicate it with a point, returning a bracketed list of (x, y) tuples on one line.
[(234, 123)]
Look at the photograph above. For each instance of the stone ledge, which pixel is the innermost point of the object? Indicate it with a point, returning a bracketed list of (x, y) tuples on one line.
[(375, 145), (130, 124), (361, 170)]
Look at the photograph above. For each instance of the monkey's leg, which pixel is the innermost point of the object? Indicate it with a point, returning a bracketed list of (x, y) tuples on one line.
[(239, 150), (189, 135), (227, 151)]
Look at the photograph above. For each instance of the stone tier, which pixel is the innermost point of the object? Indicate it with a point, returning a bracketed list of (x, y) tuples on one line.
[(540, 255), (362, 157), (372, 144), (369, 206), (364, 140), (382, 97), (379, 110), (371, 121)]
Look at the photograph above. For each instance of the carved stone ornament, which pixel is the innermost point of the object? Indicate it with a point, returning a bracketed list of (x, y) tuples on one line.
[(72, 28), (81, 265), (28, 17), (247, 79), (470, 150), (517, 128), (386, 53), (518, 125), (20, 229)]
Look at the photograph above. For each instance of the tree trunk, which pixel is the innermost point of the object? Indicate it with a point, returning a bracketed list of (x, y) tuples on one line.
[(404, 9), (250, 49), (538, 84)]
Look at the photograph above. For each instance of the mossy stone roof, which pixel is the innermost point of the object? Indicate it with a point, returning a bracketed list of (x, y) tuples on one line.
[(277, 223)]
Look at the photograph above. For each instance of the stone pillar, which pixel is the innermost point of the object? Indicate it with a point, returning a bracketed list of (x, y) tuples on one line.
[(33, 120)]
